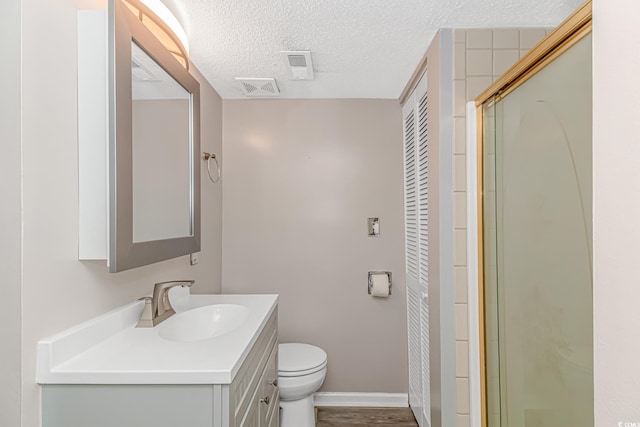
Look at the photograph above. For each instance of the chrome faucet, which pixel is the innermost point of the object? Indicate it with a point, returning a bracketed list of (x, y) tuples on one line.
[(158, 308)]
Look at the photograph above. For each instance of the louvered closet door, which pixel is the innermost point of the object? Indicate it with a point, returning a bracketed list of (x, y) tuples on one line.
[(416, 240), (423, 244), (412, 257)]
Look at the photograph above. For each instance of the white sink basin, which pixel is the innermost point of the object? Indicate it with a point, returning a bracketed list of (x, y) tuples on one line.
[(204, 322), (111, 350)]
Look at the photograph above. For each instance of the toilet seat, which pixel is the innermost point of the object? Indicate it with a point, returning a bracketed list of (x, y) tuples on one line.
[(295, 359)]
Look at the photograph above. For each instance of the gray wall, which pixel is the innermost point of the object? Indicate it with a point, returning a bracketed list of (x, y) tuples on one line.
[(58, 290), (301, 178), (10, 216)]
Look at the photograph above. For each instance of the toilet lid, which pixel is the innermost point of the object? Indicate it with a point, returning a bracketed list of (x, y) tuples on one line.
[(300, 358)]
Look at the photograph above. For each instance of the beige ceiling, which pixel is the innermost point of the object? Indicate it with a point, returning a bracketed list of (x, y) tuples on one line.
[(361, 49)]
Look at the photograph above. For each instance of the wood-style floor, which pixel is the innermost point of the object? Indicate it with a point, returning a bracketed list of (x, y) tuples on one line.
[(346, 416)]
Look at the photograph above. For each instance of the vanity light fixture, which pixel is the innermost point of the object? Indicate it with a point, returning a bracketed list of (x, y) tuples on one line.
[(164, 25)]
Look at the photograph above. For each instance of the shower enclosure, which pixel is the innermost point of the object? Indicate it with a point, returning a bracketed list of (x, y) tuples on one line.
[(536, 243)]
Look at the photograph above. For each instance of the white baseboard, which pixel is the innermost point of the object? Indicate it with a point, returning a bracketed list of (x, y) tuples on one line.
[(380, 400)]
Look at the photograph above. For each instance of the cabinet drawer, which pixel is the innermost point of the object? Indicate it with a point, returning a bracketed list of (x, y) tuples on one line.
[(268, 389)]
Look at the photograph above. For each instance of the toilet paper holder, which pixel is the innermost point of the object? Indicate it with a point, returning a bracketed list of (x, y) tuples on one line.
[(370, 279)]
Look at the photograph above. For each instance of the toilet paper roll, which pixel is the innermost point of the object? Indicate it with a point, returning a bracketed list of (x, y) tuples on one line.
[(380, 285)]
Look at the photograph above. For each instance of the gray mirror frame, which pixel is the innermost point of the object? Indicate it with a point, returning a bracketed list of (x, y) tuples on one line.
[(124, 253)]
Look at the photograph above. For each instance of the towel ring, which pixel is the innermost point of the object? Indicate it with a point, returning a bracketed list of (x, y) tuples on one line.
[(207, 157)]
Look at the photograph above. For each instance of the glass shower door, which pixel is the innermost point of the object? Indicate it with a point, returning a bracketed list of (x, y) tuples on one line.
[(538, 248)]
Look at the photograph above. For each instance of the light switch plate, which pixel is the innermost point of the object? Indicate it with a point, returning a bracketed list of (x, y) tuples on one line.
[(193, 258)]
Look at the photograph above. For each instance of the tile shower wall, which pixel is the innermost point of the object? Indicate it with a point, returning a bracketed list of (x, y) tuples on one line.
[(480, 57)]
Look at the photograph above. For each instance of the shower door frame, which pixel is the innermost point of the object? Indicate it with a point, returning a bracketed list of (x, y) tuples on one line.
[(567, 34)]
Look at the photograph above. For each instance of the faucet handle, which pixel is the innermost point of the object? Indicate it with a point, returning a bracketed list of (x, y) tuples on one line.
[(146, 319)]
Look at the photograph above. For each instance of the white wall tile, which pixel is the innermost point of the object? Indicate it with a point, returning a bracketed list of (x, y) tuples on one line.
[(463, 420), (506, 39), (459, 61), (462, 359), (460, 209), (479, 39), (479, 62), (462, 327), (461, 284), (459, 97), (504, 47), (529, 37), (460, 135), (460, 172), (504, 59), (460, 247), (477, 85), (462, 392)]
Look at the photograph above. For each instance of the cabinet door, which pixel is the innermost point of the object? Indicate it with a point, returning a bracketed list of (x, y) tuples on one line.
[(252, 416), (274, 421), (246, 389), (129, 405)]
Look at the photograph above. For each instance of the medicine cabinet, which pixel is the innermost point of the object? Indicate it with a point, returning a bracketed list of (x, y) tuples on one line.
[(139, 139)]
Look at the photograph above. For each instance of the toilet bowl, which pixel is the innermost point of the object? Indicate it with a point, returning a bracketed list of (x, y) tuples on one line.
[(301, 371)]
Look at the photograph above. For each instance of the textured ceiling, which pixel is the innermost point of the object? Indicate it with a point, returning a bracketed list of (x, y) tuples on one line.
[(361, 49)]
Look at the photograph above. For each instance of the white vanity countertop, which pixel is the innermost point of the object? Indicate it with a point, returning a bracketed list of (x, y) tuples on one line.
[(111, 350)]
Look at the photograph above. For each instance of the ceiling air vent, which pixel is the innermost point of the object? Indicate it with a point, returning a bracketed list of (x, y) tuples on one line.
[(298, 63), (258, 87), (140, 73)]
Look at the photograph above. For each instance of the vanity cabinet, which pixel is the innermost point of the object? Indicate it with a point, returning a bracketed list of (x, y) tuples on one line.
[(253, 394), (251, 399), (263, 406)]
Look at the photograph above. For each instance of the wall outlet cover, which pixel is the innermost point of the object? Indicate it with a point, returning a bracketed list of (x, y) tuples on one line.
[(193, 258)]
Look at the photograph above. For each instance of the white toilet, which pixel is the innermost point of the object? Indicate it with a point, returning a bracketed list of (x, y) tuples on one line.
[(301, 371)]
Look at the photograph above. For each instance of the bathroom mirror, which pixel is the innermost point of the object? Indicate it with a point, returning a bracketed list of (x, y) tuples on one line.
[(154, 141)]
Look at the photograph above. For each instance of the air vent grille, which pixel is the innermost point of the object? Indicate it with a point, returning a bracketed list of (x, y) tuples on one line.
[(297, 61), (258, 87), (298, 64)]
